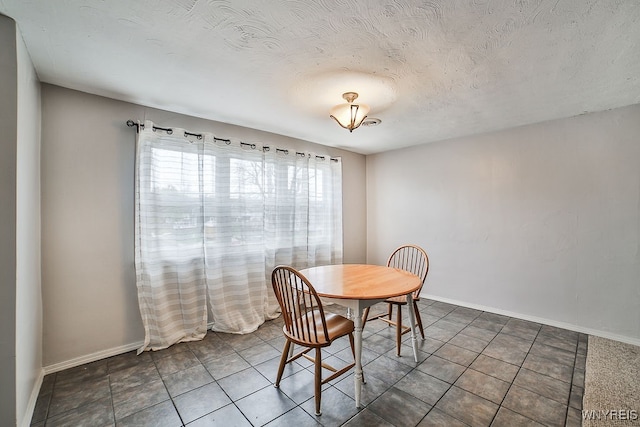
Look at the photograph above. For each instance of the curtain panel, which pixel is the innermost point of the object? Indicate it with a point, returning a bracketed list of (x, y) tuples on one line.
[(213, 218)]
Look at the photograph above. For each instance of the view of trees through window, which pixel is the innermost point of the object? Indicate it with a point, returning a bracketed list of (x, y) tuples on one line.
[(237, 201)]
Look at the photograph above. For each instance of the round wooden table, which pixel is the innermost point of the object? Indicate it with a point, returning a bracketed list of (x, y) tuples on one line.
[(358, 286)]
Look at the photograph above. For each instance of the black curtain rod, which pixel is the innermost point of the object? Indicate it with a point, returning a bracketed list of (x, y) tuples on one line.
[(169, 131)]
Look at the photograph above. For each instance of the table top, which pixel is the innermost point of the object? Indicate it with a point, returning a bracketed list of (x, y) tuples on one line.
[(361, 281)]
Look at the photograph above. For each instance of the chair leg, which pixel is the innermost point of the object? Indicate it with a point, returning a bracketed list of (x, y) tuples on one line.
[(390, 311), (399, 329), (418, 319), (365, 315), (283, 361), (318, 380)]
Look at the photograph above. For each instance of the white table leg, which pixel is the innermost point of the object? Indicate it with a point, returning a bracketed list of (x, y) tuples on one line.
[(412, 321), (357, 378)]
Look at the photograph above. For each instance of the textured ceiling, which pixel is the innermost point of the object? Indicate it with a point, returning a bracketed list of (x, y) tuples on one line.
[(430, 70)]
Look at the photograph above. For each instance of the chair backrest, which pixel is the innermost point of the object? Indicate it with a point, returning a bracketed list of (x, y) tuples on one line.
[(413, 259), (304, 320)]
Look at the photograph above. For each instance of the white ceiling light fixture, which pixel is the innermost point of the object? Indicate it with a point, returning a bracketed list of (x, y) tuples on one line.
[(349, 115)]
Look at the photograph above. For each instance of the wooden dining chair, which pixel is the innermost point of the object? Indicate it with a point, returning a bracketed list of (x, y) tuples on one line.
[(307, 325), (413, 259)]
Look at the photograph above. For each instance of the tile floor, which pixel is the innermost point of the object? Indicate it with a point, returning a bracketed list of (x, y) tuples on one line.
[(475, 368)]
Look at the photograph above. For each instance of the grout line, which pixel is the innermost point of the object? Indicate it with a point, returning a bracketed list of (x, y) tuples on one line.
[(515, 376), (113, 406), (164, 384)]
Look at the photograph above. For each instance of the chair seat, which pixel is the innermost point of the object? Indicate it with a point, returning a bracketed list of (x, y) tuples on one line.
[(337, 326), (402, 299)]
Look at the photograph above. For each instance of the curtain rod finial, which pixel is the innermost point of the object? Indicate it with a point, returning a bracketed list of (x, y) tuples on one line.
[(136, 124)]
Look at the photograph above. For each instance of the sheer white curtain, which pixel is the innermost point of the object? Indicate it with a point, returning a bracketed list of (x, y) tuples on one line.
[(169, 252), (213, 217)]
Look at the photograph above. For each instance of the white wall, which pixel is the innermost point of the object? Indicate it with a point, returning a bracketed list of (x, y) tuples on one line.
[(28, 291), (8, 138), (88, 279), (540, 221)]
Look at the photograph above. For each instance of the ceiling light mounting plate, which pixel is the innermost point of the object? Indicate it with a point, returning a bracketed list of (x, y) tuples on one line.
[(371, 121), (349, 96)]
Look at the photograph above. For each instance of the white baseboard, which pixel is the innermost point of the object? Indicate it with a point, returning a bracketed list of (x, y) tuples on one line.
[(33, 399), (103, 354), (549, 322)]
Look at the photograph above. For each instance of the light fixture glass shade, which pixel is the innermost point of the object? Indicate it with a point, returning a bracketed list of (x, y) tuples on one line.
[(349, 115)]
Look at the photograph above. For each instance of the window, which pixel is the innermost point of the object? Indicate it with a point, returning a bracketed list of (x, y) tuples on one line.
[(221, 217)]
